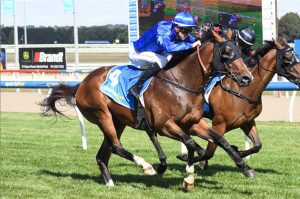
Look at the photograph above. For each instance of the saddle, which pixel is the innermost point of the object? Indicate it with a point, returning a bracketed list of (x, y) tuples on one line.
[(118, 81)]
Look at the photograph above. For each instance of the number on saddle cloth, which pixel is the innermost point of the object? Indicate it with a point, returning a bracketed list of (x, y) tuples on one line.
[(119, 80)]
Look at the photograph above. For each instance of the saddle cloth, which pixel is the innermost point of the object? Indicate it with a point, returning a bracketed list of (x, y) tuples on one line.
[(119, 79), (208, 88)]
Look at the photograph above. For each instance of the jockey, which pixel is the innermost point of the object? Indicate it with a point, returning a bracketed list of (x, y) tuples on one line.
[(245, 39), (154, 48)]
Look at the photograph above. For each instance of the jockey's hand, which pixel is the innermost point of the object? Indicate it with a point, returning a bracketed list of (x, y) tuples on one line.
[(197, 43)]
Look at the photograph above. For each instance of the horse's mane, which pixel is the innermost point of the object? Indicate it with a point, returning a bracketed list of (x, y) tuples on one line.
[(267, 46), (259, 52), (178, 57)]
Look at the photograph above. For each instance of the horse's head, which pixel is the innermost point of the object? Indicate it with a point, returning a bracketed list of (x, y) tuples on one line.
[(227, 59), (287, 62)]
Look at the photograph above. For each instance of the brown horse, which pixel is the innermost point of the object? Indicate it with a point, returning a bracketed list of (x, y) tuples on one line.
[(245, 104), (173, 104)]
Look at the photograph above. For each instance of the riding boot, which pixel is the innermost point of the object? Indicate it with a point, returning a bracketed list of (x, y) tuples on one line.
[(146, 74)]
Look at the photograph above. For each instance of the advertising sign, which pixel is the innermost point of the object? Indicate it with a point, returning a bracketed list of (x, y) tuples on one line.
[(42, 58), (230, 13)]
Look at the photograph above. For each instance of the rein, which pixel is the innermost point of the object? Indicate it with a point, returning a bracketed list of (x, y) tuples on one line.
[(197, 92), (200, 60), (239, 95)]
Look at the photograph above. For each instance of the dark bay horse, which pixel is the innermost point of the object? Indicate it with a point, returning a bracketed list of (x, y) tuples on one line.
[(173, 104), (245, 104)]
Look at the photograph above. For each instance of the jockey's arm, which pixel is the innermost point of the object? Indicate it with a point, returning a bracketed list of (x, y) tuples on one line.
[(176, 46)]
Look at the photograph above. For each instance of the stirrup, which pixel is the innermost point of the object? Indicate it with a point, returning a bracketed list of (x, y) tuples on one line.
[(134, 91), (141, 117)]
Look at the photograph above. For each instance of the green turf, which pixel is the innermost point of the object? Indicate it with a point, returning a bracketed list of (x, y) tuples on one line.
[(40, 159)]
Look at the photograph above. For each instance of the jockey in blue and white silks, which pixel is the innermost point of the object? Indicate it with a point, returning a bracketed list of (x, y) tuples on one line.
[(154, 48)]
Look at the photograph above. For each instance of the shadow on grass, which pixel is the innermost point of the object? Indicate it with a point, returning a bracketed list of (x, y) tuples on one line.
[(161, 181), (150, 181), (217, 168)]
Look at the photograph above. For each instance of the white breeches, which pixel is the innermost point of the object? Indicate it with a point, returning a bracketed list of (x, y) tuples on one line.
[(144, 59)]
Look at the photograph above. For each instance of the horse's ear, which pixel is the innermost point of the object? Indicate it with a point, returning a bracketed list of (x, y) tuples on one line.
[(216, 36), (229, 33), (283, 41), (277, 44)]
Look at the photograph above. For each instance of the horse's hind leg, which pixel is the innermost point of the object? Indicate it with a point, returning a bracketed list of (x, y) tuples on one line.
[(112, 131), (104, 154), (102, 159)]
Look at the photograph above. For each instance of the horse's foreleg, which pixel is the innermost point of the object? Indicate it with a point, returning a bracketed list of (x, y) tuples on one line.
[(112, 131), (202, 130), (250, 131), (162, 156), (191, 145), (211, 146), (173, 131), (184, 151), (102, 159), (220, 141)]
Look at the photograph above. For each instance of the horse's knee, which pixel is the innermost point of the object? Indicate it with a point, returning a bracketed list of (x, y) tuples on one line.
[(117, 149), (257, 148), (208, 155), (190, 143)]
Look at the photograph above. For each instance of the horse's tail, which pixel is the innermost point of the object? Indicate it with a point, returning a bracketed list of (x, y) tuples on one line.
[(60, 92)]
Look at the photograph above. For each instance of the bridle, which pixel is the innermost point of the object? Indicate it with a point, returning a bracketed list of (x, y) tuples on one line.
[(235, 54), (281, 69), (220, 59)]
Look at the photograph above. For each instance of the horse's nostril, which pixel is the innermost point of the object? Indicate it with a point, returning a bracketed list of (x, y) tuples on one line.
[(246, 79)]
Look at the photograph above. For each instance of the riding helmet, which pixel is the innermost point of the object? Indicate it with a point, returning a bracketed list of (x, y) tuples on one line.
[(247, 36), (184, 20)]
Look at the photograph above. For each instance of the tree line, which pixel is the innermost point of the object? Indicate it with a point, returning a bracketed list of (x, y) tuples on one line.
[(288, 27), (65, 34)]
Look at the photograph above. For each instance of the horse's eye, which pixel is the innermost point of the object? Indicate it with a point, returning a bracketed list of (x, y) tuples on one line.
[(227, 52), (289, 57)]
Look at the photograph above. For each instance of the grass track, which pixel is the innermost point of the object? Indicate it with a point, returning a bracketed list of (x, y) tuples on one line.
[(40, 159)]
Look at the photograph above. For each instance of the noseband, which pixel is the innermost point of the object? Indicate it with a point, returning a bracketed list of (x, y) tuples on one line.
[(281, 69), (281, 64)]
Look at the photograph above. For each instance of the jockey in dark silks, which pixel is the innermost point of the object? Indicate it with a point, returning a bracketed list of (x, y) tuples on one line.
[(154, 48), (244, 38)]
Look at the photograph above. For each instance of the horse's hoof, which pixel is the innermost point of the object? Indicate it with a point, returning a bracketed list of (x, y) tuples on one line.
[(248, 172), (149, 171), (203, 164), (161, 169), (188, 183), (182, 157), (110, 183)]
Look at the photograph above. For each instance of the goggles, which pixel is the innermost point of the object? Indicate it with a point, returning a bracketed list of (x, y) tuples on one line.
[(186, 30)]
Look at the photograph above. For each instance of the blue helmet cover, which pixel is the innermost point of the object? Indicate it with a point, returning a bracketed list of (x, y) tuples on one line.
[(184, 20)]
